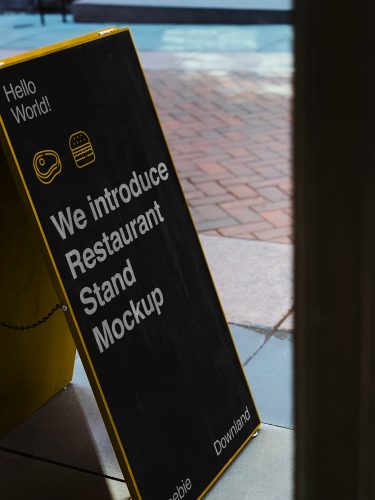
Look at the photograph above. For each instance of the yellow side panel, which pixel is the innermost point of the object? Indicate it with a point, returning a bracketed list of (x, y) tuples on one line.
[(34, 364)]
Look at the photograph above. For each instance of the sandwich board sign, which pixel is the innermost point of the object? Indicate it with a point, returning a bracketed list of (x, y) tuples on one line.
[(86, 150)]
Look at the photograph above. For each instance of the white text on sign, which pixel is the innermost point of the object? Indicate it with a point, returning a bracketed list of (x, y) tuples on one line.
[(27, 110)]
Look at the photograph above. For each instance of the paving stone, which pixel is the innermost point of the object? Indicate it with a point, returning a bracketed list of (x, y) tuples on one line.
[(277, 218), (211, 212), (247, 341), (244, 215), (253, 278), (272, 193), (249, 203), (269, 374), (242, 191), (239, 229), (211, 188), (274, 234), (214, 224), (277, 205), (208, 200)]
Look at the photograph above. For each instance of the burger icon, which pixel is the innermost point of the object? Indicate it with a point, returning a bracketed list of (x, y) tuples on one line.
[(81, 148), (47, 165)]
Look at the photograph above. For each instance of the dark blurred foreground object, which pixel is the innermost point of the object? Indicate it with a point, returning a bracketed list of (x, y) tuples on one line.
[(41, 6), (183, 12), (334, 168), (16, 5)]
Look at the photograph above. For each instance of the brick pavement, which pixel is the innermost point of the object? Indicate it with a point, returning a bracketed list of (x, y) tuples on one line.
[(229, 135)]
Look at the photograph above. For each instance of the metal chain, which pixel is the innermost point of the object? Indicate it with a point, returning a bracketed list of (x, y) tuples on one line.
[(63, 307)]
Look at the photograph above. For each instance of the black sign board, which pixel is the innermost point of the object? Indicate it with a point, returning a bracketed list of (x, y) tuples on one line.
[(86, 148)]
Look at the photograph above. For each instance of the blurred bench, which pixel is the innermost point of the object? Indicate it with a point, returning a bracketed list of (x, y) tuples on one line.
[(41, 8)]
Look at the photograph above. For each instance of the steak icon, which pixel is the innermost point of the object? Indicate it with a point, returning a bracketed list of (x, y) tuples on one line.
[(47, 165)]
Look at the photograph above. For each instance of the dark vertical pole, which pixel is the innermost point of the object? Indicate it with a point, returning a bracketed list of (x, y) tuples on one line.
[(334, 168), (41, 12), (63, 10)]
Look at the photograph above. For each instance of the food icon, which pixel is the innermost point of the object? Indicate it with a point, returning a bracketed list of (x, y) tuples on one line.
[(81, 148), (47, 165)]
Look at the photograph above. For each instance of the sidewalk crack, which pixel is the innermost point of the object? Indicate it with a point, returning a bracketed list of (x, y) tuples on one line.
[(268, 334), (281, 321), (59, 464)]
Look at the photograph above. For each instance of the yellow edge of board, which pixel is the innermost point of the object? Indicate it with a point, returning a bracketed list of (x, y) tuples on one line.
[(67, 44), (49, 50)]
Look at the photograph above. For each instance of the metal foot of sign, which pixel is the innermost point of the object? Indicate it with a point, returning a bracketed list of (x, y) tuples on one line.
[(87, 152)]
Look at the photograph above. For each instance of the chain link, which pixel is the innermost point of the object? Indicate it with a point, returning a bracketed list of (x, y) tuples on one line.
[(63, 307)]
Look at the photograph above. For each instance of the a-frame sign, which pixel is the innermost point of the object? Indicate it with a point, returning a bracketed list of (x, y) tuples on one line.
[(86, 150)]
